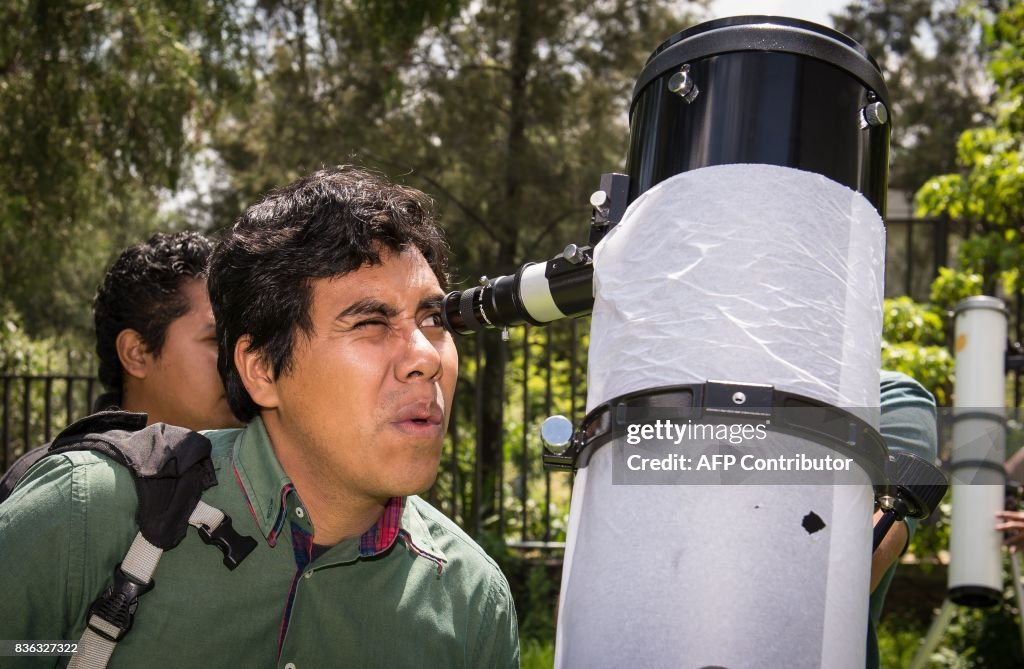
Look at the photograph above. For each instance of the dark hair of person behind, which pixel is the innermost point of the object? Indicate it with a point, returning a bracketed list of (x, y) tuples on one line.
[(324, 225), (142, 291)]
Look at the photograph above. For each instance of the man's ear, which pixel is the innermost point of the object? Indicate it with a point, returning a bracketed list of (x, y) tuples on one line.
[(257, 374), (132, 352)]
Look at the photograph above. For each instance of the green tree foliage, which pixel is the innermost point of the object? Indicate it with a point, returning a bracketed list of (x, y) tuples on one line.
[(100, 102), (927, 50), (913, 343), (984, 201), (984, 198)]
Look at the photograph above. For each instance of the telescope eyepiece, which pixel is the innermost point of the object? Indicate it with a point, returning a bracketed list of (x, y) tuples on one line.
[(537, 293), (457, 311), (496, 303)]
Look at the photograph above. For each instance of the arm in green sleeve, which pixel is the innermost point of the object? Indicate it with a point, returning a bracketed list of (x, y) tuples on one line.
[(498, 644), (62, 531), (908, 421)]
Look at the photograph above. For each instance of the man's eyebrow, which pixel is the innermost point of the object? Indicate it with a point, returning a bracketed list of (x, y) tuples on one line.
[(431, 303), (368, 307)]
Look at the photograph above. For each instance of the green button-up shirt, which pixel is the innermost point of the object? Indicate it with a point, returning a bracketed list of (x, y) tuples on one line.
[(425, 595)]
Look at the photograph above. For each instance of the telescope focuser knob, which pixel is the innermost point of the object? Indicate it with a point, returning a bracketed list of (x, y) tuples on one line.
[(919, 484), (874, 115), (574, 254), (683, 85), (601, 202), (556, 433)]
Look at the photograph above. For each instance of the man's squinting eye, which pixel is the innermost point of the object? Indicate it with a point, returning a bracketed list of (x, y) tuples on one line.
[(431, 320), (370, 322)]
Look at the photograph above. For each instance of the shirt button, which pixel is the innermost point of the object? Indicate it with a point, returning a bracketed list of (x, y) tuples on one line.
[(301, 514), (290, 665), (308, 574)]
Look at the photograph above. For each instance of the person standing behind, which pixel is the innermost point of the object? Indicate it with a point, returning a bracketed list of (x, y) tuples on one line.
[(155, 339)]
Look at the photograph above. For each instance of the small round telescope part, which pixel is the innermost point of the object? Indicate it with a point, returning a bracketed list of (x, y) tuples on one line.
[(556, 432)]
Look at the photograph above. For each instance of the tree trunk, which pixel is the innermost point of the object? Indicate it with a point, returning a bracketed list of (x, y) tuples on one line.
[(491, 444)]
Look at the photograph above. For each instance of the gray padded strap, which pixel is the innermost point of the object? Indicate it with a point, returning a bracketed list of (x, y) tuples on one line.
[(94, 650), (206, 516)]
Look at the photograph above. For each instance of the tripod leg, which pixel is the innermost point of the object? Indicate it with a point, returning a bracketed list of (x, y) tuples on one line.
[(935, 632)]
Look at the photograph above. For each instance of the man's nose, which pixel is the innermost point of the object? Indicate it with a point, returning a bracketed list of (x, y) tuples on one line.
[(420, 357)]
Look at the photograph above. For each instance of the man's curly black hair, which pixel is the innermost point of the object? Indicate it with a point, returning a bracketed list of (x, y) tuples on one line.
[(142, 291), (324, 225)]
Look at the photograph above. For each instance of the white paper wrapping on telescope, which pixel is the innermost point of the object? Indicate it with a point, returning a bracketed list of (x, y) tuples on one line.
[(744, 273)]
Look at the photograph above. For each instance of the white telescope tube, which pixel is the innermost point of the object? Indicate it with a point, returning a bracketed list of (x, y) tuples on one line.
[(979, 450), (750, 274)]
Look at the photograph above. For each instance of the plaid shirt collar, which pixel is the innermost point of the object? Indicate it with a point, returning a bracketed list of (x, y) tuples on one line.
[(267, 488)]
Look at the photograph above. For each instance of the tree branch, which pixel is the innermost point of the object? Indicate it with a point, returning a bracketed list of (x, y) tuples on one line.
[(436, 185)]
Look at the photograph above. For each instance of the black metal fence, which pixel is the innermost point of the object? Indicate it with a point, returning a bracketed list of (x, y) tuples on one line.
[(915, 249), (35, 407), (546, 375)]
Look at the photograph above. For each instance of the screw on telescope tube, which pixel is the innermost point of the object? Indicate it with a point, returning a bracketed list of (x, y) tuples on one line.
[(873, 115), (739, 398), (599, 200), (682, 85), (574, 254)]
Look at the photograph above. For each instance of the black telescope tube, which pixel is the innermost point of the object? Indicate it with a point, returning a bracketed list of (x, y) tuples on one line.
[(761, 89)]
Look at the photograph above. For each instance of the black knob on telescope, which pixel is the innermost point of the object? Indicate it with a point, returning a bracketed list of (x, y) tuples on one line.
[(916, 487), (919, 483)]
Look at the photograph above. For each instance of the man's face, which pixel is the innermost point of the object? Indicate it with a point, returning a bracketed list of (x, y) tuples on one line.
[(183, 387), (365, 405)]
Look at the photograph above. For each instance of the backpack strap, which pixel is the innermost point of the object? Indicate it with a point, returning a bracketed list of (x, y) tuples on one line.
[(171, 468)]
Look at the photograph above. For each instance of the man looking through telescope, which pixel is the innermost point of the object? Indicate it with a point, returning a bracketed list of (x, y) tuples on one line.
[(326, 296)]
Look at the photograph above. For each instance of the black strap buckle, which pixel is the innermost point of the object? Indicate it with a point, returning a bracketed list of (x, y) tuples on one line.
[(118, 603), (236, 547)]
